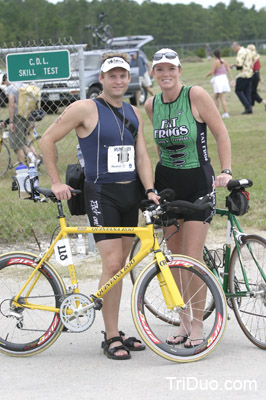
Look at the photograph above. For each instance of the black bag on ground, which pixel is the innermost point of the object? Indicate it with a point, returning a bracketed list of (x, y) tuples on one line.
[(75, 178)]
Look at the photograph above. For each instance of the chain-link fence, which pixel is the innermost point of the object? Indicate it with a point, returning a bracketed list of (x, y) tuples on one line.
[(22, 127), (23, 219)]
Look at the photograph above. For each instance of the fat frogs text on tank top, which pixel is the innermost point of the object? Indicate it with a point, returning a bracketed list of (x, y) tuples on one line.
[(106, 135), (182, 140)]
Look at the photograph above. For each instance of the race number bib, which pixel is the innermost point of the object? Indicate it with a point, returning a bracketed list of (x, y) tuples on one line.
[(121, 158)]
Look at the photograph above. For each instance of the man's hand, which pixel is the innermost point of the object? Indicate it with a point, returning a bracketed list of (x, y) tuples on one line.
[(61, 191), (154, 197)]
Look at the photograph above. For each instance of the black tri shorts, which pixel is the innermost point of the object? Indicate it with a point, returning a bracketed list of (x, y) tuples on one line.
[(189, 185), (112, 204)]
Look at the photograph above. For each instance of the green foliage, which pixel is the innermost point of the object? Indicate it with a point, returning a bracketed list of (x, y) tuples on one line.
[(226, 52), (38, 20), (201, 52)]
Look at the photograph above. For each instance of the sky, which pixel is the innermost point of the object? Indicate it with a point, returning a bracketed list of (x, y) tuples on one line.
[(205, 3)]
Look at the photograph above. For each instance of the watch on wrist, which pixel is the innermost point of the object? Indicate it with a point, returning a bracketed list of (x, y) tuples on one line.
[(150, 191), (226, 171)]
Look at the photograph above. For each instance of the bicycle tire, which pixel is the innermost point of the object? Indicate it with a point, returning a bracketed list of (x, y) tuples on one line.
[(155, 333), (250, 311), (5, 158), (108, 31), (139, 267), (23, 331)]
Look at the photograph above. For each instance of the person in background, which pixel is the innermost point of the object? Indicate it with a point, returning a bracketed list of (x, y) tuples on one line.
[(112, 157), (144, 73), (180, 116), (243, 85), (18, 126), (220, 81), (255, 97), (208, 51)]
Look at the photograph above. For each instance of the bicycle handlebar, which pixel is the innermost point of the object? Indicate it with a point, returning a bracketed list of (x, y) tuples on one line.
[(167, 202), (50, 195)]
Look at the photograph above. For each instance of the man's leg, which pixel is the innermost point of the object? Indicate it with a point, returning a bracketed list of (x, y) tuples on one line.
[(241, 85), (137, 97), (149, 90), (248, 91), (20, 156), (114, 253)]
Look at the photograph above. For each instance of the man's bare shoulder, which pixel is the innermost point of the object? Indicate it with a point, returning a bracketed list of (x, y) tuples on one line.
[(87, 104)]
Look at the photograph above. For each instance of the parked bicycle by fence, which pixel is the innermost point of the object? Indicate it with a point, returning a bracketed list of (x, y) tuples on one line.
[(33, 142), (35, 307), (100, 33), (241, 270)]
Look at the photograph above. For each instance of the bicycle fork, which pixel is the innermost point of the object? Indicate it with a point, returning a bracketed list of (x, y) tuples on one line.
[(170, 291)]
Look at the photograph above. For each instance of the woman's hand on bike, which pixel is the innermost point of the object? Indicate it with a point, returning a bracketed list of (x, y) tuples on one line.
[(222, 180)]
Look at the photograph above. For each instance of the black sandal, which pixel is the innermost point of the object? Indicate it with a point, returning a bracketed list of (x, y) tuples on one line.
[(129, 343), (110, 353)]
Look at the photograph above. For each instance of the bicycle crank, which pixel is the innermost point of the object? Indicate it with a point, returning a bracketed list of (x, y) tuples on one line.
[(77, 312)]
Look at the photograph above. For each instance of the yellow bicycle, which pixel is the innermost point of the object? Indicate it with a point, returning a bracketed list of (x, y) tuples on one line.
[(36, 307)]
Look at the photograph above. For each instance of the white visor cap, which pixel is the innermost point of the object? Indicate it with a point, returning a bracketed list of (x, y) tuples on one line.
[(114, 62), (167, 56)]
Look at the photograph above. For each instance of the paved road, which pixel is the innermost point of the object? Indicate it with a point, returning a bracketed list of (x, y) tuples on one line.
[(75, 368)]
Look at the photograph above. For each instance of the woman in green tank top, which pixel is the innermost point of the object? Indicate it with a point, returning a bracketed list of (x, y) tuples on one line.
[(180, 117)]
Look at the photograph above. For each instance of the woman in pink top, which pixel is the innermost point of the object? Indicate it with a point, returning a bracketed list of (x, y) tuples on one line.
[(220, 81)]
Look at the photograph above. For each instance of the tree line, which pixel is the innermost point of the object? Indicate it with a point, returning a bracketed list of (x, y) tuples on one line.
[(23, 21)]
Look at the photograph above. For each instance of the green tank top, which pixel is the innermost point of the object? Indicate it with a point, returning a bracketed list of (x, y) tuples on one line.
[(182, 140)]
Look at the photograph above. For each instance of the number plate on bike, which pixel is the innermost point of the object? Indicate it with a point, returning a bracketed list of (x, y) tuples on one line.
[(63, 253)]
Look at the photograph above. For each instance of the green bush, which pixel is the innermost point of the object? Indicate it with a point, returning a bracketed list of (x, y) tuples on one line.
[(201, 52)]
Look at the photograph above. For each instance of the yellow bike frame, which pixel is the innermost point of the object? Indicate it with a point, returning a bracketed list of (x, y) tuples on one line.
[(149, 244)]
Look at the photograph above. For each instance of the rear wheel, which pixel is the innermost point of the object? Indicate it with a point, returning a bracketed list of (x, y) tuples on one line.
[(250, 307), (155, 332), (25, 331)]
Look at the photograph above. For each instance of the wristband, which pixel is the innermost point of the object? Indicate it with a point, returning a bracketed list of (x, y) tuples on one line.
[(150, 191), (226, 171)]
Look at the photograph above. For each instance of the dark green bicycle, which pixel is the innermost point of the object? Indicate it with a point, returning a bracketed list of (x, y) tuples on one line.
[(240, 267)]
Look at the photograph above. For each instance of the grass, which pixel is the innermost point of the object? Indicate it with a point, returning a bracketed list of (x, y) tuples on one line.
[(248, 139)]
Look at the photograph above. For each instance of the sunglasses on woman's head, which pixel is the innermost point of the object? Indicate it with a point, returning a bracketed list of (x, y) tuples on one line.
[(170, 55)]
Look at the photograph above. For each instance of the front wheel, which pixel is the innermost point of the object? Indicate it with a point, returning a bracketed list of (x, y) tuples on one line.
[(27, 331), (109, 33), (247, 278), (163, 314), (188, 274)]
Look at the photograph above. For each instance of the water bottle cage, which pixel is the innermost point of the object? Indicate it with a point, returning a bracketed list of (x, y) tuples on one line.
[(34, 194)]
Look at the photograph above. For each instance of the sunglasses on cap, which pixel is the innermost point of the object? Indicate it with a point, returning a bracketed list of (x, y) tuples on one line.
[(170, 55)]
